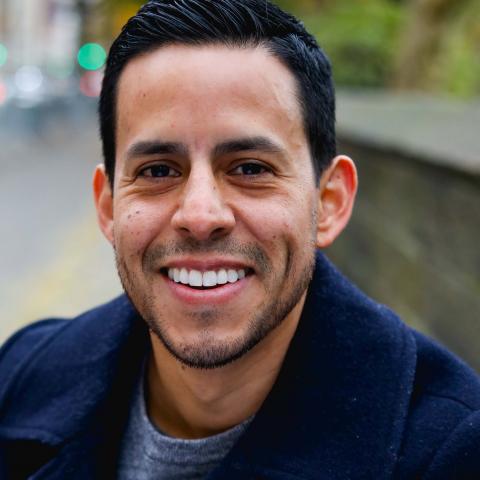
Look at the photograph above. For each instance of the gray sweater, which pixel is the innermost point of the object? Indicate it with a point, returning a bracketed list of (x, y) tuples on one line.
[(149, 454)]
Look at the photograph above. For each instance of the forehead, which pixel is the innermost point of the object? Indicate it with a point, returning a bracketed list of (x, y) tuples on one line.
[(204, 92)]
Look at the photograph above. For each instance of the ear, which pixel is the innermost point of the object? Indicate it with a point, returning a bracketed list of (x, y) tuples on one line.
[(338, 187), (103, 202)]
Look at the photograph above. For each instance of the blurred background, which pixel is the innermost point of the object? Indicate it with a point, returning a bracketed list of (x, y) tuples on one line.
[(408, 83)]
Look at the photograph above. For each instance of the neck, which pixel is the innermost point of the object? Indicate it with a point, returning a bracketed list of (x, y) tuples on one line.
[(190, 403)]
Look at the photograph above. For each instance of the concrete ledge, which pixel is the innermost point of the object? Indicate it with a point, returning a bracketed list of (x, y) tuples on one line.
[(413, 239), (435, 130)]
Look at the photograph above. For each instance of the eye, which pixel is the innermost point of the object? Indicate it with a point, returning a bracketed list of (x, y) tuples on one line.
[(159, 171), (249, 169)]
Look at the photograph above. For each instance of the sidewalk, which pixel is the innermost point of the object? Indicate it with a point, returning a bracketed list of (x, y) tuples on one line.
[(54, 260)]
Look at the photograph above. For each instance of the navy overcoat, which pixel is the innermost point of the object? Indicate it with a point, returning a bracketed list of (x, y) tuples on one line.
[(360, 396)]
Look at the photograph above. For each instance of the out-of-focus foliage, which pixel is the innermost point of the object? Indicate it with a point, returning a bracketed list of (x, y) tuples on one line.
[(359, 37), (429, 45), (117, 12), (457, 69)]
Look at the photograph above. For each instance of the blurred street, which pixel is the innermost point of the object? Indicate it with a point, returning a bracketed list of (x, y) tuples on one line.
[(53, 259)]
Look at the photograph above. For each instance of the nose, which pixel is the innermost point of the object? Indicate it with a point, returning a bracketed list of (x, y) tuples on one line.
[(203, 213)]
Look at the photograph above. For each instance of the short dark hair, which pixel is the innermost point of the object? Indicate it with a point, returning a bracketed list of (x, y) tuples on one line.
[(235, 23)]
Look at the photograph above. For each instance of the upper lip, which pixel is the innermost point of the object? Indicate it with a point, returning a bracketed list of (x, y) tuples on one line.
[(205, 265)]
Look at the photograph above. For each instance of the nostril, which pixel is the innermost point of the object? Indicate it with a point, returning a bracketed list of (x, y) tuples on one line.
[(218, 232)]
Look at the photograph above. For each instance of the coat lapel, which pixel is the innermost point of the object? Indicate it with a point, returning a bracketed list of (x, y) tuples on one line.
[(75, 397), (338, 408)]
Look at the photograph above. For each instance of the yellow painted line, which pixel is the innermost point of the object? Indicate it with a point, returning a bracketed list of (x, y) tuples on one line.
[(68, 285)]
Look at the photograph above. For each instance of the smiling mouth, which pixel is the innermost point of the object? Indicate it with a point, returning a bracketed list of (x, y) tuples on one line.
[(207, 280)]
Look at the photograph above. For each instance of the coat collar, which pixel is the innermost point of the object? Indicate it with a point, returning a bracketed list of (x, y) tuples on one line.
[(71, 374), (338, 406)]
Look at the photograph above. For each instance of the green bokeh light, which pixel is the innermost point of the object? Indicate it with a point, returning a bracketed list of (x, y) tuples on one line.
[(91, 56), (3, 55)]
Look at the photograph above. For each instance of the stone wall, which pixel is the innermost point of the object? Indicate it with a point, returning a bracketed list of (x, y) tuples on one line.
[(414, 243)]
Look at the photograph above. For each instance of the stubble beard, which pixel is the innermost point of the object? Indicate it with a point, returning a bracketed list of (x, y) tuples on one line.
[(207, 352)]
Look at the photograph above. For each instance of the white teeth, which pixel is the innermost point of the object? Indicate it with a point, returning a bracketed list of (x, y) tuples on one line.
[(232, 276), (222, 278), (209, 279), (184, 276), (195, 278), (176, 275)]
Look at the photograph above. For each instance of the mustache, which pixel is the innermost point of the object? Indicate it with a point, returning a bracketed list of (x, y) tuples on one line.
[(253, 253)]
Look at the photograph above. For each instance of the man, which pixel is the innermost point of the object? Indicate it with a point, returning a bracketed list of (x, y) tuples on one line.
[(240, 352)]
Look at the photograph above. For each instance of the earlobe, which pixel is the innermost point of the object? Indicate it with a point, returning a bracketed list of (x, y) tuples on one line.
[(103, 202), (338, 187)]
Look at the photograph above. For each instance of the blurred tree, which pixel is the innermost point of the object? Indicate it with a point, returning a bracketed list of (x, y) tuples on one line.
[(359, 37), (92, 25), (117, 12), (426, 29), (457, 69), (82, 9), (418, 44)]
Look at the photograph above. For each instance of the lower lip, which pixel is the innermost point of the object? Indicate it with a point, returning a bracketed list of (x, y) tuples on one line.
[(214, 296)]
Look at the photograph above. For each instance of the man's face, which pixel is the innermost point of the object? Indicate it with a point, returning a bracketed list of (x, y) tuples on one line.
[(214, 200)]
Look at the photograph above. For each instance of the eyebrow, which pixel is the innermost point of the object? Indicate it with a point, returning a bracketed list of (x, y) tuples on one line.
[(156, 147), (247, 144)]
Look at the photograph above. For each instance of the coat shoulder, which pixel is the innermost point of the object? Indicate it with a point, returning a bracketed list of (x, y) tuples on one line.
[(442, 432), (23, 346), (53, 343), (442, 374)]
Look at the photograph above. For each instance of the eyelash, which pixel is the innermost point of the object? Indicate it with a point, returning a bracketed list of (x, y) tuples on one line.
[(263, 169), (142, 172), (173, 173)]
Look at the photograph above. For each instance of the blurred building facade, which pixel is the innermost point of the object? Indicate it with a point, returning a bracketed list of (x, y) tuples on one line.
[(43, 33)]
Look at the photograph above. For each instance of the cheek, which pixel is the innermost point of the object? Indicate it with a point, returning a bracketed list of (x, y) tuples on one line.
[(288, 221), (135, 229)]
